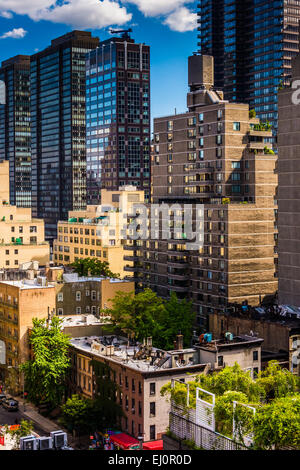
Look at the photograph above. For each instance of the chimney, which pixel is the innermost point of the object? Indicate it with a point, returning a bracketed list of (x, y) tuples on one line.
[(179, 341)]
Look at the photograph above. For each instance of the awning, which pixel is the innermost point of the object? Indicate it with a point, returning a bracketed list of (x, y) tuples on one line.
[(124, 441), (154, 445)]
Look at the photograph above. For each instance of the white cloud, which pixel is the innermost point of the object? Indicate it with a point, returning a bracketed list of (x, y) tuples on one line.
[(182, 20), (84, 14), (158, 7), (16, 33), (97, 14), (24, 7), (6, 14)]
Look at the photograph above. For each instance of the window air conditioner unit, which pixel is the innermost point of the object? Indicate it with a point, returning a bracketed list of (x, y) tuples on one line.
[(28, 443), (59, 439), (44, 443)]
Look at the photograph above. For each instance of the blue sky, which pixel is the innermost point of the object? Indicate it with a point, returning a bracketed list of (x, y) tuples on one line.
[(168, 26)]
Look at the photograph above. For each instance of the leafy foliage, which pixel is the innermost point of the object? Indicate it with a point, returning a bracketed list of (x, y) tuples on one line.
[(45, 373), (25, 429), (93, 267), (273, 395), (278, 423), (146, 314), (277, 382), (77, 413)]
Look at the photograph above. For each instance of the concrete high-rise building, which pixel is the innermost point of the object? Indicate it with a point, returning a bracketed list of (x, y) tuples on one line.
[(217, 156), (58, 128), (253, 43), (15, 128), (118, 117), (289, 193)]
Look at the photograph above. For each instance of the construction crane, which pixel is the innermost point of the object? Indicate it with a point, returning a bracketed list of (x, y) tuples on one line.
[(124, 32)]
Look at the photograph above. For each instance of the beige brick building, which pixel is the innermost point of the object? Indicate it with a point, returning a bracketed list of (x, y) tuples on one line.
[(20, 302), (21, 237), (98, 231)]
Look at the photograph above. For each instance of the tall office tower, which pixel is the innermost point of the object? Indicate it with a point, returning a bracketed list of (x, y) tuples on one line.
[(289, 193), (253, 43), (118, 117), (15, 128), (58, 128), (216, 156)]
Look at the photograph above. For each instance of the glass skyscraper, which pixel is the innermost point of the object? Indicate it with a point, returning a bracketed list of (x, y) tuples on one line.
[(15, 128), (253, 43), (58, 128), (118, 117)]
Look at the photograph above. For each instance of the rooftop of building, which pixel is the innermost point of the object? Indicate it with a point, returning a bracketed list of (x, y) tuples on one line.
[(286, 315), (139, 357), (82, 320), (74, 277), (36, 283), (228, 342)]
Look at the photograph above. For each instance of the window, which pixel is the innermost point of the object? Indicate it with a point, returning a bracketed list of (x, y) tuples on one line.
[(152, 432), (93, 295), (152, 409), (255, 355), (78, 310), (236, 126), (152, 388), (60, 297), (78, 296), (60, 311), (220, 361)]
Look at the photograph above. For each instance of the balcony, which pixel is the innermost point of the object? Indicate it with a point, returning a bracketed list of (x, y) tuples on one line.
[(131, 258)]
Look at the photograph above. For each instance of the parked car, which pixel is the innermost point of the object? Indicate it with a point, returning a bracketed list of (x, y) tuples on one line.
[(2, 397), (10, 404)]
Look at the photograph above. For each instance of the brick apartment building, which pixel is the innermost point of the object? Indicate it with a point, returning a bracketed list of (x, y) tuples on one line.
[(218, 156)]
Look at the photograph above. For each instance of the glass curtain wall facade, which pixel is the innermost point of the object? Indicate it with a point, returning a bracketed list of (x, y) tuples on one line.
[(253, 42), (118, 117), (59, 128), (15, 128)]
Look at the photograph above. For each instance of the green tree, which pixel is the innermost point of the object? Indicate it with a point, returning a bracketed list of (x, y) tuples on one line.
[(45, 374), (232, 379), (145, 314), (277, 382), (93, 267), (136, 315), (278, 424), (77, 413), (252, 113), (25, 429), (177, 316), (225, 413)]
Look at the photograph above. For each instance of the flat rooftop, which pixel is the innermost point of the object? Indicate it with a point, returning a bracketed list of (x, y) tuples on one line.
[(236, 342), (27, 284), (73, 277), (82, 320), (139, 357)]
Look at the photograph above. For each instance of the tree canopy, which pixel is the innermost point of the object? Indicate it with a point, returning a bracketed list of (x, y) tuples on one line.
[(93, 267), (145, 314), (45, 374)]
